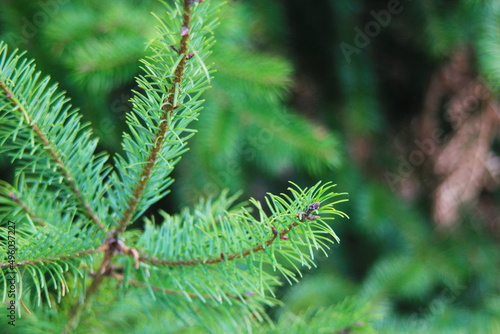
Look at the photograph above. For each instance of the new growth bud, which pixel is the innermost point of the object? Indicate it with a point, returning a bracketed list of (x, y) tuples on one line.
[(314, 206), (302, 215)]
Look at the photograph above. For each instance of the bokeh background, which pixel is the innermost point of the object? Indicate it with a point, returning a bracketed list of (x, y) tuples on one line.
[(394, 101)]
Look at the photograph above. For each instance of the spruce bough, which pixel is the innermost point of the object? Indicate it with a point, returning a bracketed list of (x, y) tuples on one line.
[(73, 206)]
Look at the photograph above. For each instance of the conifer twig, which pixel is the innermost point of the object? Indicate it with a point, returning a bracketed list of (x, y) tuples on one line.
[(145, 175), (168, 108), (230, 257), (27, 210), (47, 145), (109, 246), (52, 259)]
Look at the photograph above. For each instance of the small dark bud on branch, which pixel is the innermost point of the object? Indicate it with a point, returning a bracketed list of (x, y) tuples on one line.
[(302, 215), (173, 47), (314, 206)]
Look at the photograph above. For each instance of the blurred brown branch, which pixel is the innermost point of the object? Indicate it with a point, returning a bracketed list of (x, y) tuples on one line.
[(463, 164)]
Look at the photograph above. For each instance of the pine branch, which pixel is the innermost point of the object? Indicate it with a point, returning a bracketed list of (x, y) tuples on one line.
[(49, 147), (41, 261), (223, 257), (159, 122), (104, 268), (11, 198), (26, 209), (214, 259), (214, 239), (168, 108), (33, 212), (170, 127), (48, 257), (39, 129)]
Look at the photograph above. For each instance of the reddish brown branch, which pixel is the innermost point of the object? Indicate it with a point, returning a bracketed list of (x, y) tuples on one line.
[(27, 210), (168, 108), (112, 242), (223, 257), (53, 259), (68, 178), (109, 246)]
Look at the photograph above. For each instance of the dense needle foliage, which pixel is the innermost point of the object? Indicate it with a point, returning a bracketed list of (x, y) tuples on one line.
[(407, 124), (211, 267)]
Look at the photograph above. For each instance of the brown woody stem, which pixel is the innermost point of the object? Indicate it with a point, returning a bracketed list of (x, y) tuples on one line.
[(168, 108), (53, 259), (27, 210), (109, 247), (225, 257), (138, 192)]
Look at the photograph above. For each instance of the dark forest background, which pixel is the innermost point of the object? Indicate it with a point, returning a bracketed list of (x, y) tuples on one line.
[(394, 101)]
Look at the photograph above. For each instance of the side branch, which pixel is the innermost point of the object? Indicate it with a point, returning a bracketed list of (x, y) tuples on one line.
[(109, 247), (68, 178), (111, 244), (168, 108), (41, 260), (222, 257), (27, 210)]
